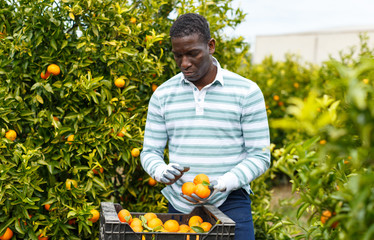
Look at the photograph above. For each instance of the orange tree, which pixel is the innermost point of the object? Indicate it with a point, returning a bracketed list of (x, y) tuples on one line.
[(76, 124), (330, 163)]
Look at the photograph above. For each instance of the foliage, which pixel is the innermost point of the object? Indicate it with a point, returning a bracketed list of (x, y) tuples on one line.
[(330, 164), (93, 43)]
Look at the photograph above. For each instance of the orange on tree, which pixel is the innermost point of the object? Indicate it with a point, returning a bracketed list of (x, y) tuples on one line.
[(200, 178), (47, 206), (42, 237), (155, 222), (135, 152), (206, 226), (202, 191), (171, 225), (325, 216), (11, 135), (154, 87), (119, 82), (71, 182), (195, 221), (70, 138), (125, 216), (96, 172), (152, 182), (133, 20), (276, 98), (72, 221), (45, 75), (7, 235), (149, 216), (95, 215), (122, 132), (54, 69), (188, 188)]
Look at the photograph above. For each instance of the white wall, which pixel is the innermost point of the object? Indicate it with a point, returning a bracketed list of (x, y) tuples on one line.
[(314, 47)]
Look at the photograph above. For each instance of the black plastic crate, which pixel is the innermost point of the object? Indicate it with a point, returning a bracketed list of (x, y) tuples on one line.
[(111, 228)]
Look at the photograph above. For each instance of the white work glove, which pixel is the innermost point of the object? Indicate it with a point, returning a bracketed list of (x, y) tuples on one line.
[(227, 182), (170, 173), (218, 185)]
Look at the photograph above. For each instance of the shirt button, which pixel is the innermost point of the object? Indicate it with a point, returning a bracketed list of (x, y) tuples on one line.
[(195, 89)]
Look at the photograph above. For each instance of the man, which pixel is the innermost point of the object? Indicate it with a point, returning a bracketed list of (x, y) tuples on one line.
[(213, 121)]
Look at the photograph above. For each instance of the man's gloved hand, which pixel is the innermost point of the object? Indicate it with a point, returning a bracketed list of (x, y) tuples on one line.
[(170, 173), (218, 185)]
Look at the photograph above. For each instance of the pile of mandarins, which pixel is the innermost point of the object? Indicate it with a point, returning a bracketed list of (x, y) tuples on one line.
[(149, 222)]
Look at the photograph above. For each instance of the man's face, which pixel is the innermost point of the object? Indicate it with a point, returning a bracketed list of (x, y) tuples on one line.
[(193, 56)]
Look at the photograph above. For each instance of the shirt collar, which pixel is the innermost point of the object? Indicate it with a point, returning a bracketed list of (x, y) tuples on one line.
[(219, 77)]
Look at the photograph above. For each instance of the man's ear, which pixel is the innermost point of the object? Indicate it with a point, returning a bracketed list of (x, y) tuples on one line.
[(212, 46)]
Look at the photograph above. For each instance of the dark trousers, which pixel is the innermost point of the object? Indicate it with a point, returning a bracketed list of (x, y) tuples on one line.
[(237, 207)]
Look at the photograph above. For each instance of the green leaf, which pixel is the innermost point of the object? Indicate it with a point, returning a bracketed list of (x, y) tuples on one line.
[(53, 44), (197, 229)]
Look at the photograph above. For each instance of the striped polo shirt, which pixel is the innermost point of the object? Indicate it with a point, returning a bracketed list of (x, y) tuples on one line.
[(220, 129)]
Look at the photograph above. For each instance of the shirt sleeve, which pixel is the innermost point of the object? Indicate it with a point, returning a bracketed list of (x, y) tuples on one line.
[(155, 138), (255, 130)]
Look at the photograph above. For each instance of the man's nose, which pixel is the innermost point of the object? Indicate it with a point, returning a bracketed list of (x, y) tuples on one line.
[(186, 63)]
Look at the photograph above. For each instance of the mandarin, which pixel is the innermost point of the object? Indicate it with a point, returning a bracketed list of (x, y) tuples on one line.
[(171, 225), (125, 216), (188, 188), (202, 191), (200, 178)]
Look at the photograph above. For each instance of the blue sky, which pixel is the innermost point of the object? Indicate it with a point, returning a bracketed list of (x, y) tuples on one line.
[(271, 17)]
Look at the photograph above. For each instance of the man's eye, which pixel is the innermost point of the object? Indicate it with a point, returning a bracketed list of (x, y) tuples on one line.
[(194, 54)]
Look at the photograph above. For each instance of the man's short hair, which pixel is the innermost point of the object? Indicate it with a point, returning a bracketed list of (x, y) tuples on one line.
[(188, 24)]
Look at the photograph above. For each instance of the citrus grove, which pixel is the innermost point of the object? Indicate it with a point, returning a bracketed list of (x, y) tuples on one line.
[(75, 80)]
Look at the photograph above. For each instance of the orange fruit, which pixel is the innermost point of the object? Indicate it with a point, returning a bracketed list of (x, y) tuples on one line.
[(325, 216), (122, 132), (54, 69), (56, 119), (202, 191), (150, 216), (133, 20), (276, 98), (11, 135), (136, 222), (7, 235), (70, 138), (119, 82), (47, 207), (137, 228), (155, 222), (42, 237), (206, 226), (322, 142), (135, 152), (184, 228), (95, 215), (171, 225), (296, 85), (154, 87), (72, 221), (125, 216), (45, 75), (195, 221), (96, 172), (188, 188), (152, 182), (200, 178), (70, 182)]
